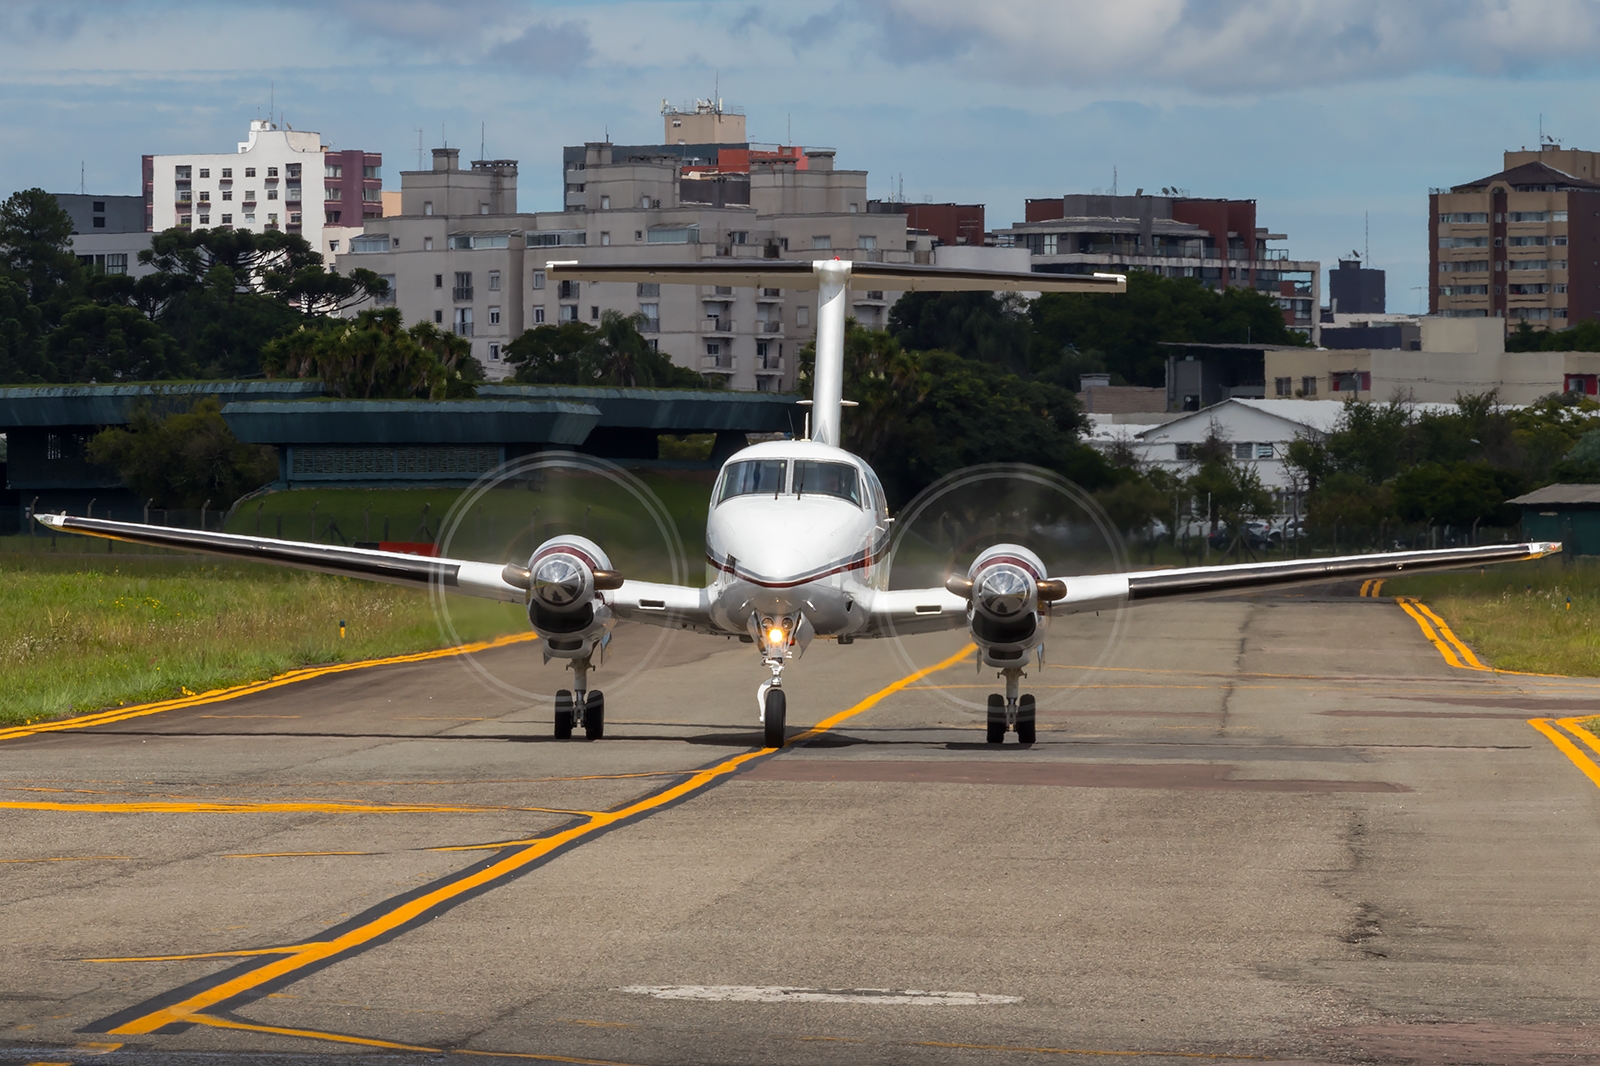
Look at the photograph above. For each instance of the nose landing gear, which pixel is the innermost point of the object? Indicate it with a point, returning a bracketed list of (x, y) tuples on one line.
[(1011, 711), (580, 707)]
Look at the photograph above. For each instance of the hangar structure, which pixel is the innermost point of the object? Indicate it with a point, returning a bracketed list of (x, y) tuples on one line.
[(329, 441)]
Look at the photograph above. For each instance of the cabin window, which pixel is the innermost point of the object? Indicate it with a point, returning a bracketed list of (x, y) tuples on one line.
[(827, 479), (753, 477)]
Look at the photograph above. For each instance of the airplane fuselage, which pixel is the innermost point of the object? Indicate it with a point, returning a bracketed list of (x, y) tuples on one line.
[(797, 529)]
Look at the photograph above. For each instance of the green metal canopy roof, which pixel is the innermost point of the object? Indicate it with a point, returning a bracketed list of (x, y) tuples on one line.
[(670, 410), (411, 422), (112, 405)]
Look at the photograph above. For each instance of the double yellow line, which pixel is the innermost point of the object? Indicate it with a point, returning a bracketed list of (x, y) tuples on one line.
[(1371, 586), (289, 961), (1439, 634), (1457, 654)]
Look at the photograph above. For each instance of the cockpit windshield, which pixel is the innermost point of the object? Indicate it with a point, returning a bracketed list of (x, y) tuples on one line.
[(827, 479), (753, 477)]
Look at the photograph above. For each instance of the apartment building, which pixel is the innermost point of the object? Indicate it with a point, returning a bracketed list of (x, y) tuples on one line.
[(1354, 289), (261, 187), (1214, 241), (461, 255), (107, 231), (948, 224), (1503, 246)]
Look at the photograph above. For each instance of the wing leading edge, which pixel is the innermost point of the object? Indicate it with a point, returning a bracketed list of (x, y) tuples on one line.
[(906, 611)]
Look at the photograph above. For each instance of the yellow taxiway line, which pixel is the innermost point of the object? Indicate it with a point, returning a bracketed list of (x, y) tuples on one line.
[(140, 710), (1457, 654), (292, 958)]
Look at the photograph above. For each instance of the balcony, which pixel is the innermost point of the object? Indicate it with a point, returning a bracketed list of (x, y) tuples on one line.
[(770, 327), (462, 294), (463, 329), (651, 325), (769, 364), (718, 326), (723, 364), (770, 294)]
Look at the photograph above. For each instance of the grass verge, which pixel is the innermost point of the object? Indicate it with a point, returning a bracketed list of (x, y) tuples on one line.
[(1539, 617), (81, 633)]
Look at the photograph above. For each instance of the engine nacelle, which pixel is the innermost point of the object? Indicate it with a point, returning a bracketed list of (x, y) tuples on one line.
[(564, 579), (1004, 587)]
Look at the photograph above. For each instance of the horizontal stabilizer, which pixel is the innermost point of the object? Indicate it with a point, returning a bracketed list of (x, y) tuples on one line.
[(801, 274)]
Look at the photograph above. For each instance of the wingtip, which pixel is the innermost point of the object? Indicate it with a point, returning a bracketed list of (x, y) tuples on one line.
[(54, 521)]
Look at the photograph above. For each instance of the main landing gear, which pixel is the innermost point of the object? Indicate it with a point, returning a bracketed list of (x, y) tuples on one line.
[(1011, 712), (579, 707)]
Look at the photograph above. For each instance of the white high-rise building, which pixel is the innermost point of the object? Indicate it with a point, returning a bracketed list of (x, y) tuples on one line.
[(280, 179)]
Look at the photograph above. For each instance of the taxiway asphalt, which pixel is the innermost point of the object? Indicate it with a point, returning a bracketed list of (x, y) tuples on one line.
[(1282, 827)]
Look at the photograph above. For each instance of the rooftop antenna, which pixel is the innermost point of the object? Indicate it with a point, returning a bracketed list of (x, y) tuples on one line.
[(419, 147), (788, 118), (1366, 258), (272, 99), (80, 178), (1113, 179), (483, 140)]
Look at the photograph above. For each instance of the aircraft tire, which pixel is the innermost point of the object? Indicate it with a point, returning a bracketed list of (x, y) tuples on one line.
[(1026, 714), (564, 715), (997, 719), (773, 721), (594, 716)]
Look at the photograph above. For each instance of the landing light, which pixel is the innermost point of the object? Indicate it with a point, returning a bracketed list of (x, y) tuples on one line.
[(775, 635)]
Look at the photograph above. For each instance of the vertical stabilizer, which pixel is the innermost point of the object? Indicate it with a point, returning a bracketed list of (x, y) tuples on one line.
[(827, 378)]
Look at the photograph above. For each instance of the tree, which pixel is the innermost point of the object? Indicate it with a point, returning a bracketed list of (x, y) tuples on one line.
[(36, 242), (974, 325), (97, 343), (183, 458), (21, 333), (1123, 333), (225, 293), (1584, 337), (1236, 495), (923, 415), (1460, 494), (614, 353), (372, 357)]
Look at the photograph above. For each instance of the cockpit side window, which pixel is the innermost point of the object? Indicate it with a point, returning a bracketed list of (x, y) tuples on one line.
[(753, 477), (827, 479)]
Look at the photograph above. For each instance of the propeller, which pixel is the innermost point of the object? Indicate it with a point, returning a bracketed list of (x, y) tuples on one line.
[(506, 515), (941, 533)]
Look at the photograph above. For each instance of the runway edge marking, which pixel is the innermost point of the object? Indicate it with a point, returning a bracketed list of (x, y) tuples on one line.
[(290, 962), (220, 695)]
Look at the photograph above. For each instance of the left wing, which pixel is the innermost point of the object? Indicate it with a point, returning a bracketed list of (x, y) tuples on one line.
[(907, 611)]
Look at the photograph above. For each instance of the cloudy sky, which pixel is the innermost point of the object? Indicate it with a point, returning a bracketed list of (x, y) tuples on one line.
[(1323, 111)]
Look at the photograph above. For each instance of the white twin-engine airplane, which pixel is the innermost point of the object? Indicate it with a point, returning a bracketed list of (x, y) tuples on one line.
[(798, 538)]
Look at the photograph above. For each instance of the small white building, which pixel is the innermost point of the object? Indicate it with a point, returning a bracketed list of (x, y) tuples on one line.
[(1258, 431)]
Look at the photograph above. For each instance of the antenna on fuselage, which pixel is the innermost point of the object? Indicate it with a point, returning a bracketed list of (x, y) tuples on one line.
[(806, 432)]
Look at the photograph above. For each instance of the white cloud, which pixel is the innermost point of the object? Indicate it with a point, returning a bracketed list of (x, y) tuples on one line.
[(1217, 46)]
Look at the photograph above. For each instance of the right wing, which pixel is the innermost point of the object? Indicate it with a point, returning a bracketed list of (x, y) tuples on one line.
[(673, 606), (395, 568)]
